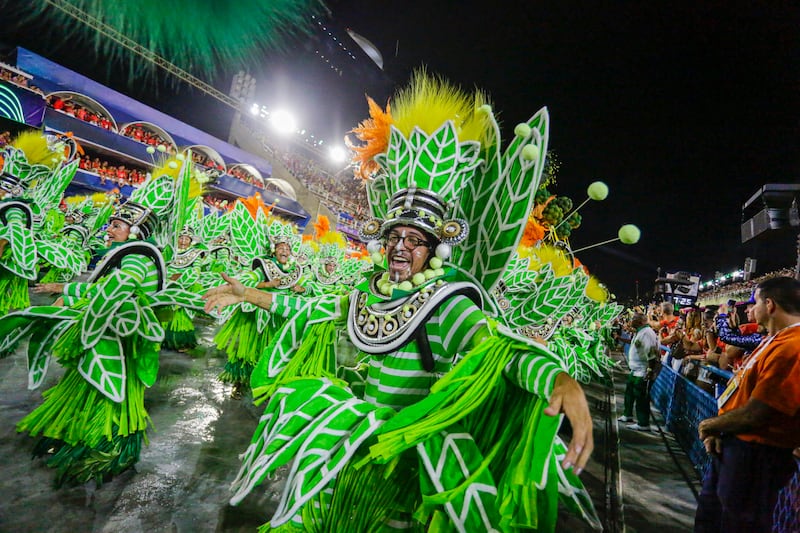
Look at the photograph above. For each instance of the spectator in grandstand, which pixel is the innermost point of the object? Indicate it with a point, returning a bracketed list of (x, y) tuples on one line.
[(758, 426), (664, 320), (745, 337), (642, 361)]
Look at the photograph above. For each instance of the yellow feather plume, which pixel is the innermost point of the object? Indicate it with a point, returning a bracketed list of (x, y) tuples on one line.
[(36, 150), (596, 291), (543, 254), (323, 234), (170, 167), (429, 101)]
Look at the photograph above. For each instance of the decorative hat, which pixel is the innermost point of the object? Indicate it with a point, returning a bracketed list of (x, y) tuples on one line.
[(188, 231), (152, 201), (426, 163), (279, 232)]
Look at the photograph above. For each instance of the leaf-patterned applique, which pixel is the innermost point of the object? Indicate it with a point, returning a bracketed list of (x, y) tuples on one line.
[(126, 319), (316, 427), (60, 256), (451, 464), (246, 235), (151, 329), (22, 261), (178, 296), (39, 353), (50, 311), (109, 296), (50, 186), (13, 328), (378, 195), (104, 367), (497, 201)]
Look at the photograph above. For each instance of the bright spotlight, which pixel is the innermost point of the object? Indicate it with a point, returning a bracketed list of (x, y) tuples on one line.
[(337, 154), (283, 121), (254, 109)]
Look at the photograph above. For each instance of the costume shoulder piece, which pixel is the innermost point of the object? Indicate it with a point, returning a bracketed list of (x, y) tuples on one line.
[(386, 326), (114, 257), (187, 258), (24, 208), (272, 271)]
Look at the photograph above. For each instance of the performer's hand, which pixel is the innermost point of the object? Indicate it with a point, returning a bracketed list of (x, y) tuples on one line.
[(59, 302), (298, 289), (48, 288), (3, 243), (221, 297), (568, 397)]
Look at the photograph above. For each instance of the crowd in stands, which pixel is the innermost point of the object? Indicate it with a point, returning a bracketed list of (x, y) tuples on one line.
[(18, 79), (339, 194), (145, 136), (245, 176), (119, 174), (203, 160), (220, 204), (74, 109), (5, 138), (694, 341), (342, 193), (738, 290)]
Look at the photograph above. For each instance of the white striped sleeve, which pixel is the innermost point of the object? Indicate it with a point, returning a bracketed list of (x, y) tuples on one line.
[(533, 372)]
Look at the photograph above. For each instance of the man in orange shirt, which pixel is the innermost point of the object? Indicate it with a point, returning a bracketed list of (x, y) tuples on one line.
[(758, 426)]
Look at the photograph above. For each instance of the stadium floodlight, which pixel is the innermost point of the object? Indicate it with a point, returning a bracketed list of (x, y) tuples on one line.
[(254, 109), (283, 122), (337, 154)]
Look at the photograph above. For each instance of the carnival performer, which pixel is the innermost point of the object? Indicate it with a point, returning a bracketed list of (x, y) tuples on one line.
[(453, 426), (248, 331), (106, 334), (187, 262), (36, 170), (332, 272)]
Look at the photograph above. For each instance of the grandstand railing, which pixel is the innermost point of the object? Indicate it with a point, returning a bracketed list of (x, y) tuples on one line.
[(683, 405)]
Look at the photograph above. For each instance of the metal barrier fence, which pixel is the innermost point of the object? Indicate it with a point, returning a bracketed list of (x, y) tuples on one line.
[(683, 405)]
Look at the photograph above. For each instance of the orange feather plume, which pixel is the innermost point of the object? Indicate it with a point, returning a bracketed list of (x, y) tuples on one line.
[(254, 203), (534, 232), (374, 132), (321, 226)]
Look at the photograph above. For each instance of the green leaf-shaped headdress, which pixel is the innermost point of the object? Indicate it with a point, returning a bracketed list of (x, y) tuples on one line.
[(436, 163), (150, 202)]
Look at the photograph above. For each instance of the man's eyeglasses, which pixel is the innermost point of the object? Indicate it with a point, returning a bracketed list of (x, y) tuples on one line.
[(409, 242)]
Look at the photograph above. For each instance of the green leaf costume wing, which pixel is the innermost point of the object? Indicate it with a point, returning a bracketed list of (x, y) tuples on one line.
[(247, 235), (39, 351), (497, 201), (104, 367), (111, 293)]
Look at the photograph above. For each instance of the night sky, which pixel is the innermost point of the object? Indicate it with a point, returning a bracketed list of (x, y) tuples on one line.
[(684, 109)]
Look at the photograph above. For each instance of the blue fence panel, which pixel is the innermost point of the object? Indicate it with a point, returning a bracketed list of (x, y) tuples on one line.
[(661, 392), (787, 511)]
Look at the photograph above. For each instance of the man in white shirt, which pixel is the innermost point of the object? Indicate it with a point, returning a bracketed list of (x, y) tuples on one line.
[(642, 358)]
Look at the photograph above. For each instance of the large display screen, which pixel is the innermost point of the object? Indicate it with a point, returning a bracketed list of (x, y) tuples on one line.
[(683, 285)]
